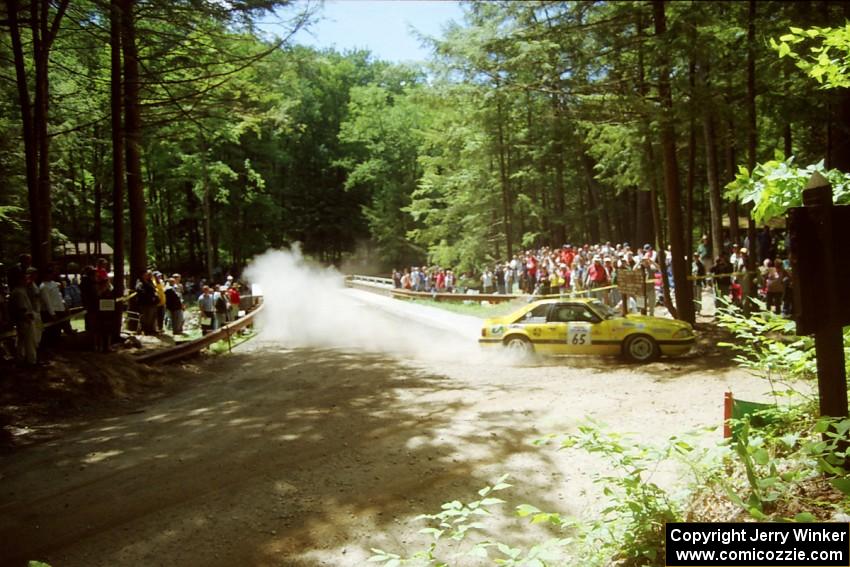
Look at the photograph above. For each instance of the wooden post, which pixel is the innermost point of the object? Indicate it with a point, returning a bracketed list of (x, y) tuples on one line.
[(728, 402), (817, 270), (829, 338)]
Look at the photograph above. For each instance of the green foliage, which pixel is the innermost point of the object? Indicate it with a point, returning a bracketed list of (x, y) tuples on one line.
[(822, 52), (459, 534), (6, 215), (777, 185), (765, 344), (631, 528), (787, 449)]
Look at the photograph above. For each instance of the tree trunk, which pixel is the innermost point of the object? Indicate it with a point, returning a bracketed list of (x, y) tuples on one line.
[(692, 149), (730, 171), (97, 209), (559, 233), (117, 148), (838, 146), (40, 37), (714, 203), (684, 295), (593, 205), (651, 176), (643, 228), (689, 192), (30, 149), (133, 132), (207, 204), (504, 182), (748, 286)]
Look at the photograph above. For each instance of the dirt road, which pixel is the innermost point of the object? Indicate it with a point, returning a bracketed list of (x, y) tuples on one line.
[(290, 455)]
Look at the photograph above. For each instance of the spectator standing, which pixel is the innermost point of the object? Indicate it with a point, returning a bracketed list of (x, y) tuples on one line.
[(88, 295), (499, 279), (148, 301), (159, 284), (174, 304), (52, 307), (698, 273), (71, 293), (221, 306), (775, 287), (722, 271), (104, 319), (487, 281), (206, 305), (233, 300), (705, 254), (25, 317), (597, 277)]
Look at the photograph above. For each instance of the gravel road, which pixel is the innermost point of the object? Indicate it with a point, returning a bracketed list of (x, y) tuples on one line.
[(310, 450)]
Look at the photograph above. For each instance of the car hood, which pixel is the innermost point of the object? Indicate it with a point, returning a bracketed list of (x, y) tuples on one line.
[(654, 321)]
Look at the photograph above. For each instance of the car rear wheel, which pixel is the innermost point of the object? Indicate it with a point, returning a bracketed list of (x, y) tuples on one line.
[(519, 345), (641, 348)]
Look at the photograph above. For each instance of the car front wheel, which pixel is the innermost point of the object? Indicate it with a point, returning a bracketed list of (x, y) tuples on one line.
[(641, 348)]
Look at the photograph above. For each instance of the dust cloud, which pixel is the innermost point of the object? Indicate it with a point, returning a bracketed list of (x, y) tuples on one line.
[(308, 305)]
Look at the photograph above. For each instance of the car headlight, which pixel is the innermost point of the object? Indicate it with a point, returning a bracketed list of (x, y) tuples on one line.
[(683, 334)]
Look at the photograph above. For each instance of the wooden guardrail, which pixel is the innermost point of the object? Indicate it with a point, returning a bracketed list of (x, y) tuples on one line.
[(72, 313), (191, 348)]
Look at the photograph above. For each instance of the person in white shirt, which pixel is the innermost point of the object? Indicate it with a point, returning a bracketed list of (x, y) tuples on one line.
[(52, 307)]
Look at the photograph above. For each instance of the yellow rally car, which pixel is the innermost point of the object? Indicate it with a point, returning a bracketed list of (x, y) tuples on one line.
[(586, 326)]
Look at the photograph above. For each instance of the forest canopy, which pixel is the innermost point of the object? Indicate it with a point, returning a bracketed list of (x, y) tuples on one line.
[(534, 123)]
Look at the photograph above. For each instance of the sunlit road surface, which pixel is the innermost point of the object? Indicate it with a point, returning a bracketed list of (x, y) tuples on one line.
[(298, 455)]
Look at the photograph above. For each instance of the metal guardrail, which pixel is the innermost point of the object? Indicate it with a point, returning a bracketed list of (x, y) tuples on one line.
[(365, 283), (194, 347), (454, 297), (371, 279), (384, 286)]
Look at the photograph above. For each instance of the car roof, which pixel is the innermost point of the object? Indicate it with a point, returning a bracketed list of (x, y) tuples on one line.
[(582, 300)]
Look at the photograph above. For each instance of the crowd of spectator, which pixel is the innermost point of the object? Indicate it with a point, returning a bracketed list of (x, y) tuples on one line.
[(594, 270), (38, 305)]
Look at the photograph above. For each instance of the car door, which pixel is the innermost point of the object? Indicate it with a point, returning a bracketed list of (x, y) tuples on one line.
[(570, 329), (534, 323)]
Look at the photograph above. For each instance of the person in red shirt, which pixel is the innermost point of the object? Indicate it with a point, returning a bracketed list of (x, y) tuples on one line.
[(567, 255), (597, 276), (233, 300), (531, 264)]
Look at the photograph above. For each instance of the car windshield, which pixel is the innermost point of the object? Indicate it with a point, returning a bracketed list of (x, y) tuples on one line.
[(603, 310)]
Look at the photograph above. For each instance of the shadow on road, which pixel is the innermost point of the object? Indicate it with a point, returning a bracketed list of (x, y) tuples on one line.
[(269, 455)]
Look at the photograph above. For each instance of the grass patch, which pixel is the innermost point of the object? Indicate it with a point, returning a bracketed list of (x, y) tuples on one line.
[(474, 308), (221, 347)]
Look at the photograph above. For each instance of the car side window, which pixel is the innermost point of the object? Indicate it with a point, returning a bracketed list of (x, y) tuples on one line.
[(536, 315), (563, 314), (569, 313), (585, 314)]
